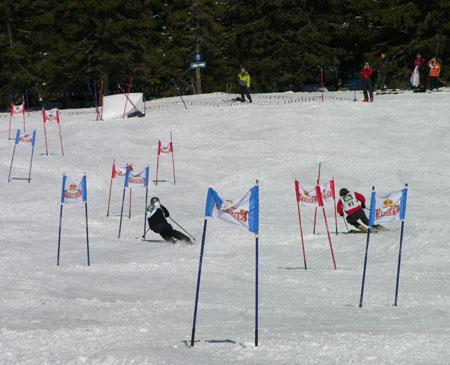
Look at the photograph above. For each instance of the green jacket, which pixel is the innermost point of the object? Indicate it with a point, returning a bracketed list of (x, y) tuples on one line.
[(244, 79)]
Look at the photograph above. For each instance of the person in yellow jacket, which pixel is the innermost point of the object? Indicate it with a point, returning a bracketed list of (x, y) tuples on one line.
[(244, 83), (435, 72)]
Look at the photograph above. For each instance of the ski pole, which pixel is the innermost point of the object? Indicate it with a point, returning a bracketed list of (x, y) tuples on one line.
[(148, 229), (182, 228), (345, 223)]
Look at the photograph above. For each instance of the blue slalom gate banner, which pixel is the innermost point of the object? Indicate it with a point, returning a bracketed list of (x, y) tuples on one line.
[(22, 138), (133, 180), (243, 212), (386, 208), (73, 192)]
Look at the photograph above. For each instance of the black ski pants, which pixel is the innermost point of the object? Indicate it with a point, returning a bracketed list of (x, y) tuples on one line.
[(367, 89), (360, 214), (167, 232), (245, 92)]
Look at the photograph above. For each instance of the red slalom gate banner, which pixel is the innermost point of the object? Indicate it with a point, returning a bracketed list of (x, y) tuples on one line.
[(118, 172), (309, 198), (52, 116), (164, 150), (17, 111)]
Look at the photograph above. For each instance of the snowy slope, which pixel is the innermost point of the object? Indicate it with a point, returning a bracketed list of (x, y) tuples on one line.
[(135, 303)]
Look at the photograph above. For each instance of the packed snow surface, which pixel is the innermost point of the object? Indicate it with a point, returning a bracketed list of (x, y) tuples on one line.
[(134, 304)]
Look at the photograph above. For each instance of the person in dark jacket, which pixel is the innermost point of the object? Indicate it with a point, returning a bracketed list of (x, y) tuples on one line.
[(382, 69), (366, 75), (156, 218)]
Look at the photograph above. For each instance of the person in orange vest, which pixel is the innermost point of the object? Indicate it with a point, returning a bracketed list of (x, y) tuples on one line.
[(435, 71)]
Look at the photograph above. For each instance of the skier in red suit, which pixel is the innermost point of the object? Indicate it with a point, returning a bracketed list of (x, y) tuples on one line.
[(353, 205)]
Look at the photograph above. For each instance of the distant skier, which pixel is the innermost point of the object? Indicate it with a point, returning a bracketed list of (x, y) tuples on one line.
[(353, 204), (382, 69), (366, 75), (244, 83), (435, 71), (156, 218)]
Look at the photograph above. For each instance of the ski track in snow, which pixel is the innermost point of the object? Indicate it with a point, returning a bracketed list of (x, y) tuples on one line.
[(134, 305)]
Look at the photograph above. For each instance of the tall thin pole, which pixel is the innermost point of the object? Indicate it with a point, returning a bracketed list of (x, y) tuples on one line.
[(60, 137), (173, 158), (315, 209), (45, 131), (199, 274), (329, 237), (12, 159), (87, 235), (59, 233), (354, 84), (129, 206), (145, 211), (301, 234), (401, 245), (110, 188), (256, 288), (31, 163), (398, 264), (361, 297), (121, 211), (364, 269), (157, 162)]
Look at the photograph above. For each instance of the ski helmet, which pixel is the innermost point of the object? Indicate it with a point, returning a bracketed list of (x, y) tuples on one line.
[(343, 192), (154, 200)]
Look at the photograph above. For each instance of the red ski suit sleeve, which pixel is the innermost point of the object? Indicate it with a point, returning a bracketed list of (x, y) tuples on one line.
[(359, 197)]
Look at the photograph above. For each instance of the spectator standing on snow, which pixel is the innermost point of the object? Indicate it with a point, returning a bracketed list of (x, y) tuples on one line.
[(244, 83), (435, 71), (366, 75), (156, 218), (382, 69), (418, 72)]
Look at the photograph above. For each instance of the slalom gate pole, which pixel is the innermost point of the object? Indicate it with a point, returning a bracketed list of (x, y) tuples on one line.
[(182, 228), (315, 209), (45, 131), (321, 82), (146, 231), (23, 113), (157, 162), (101, 101), (256, 288), (110, 190), (121, 212), (333, 191), (354, 84), (329, 237), (87, 235), (398, 264), (301, 234), (361, 297), (129, 206), (127, 97), (9, 128), (59, 233), (31, 158), (60, 137), (12, 159), (399, 258), (173, 158), (364, 269), (199, 274), (145, 211)]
